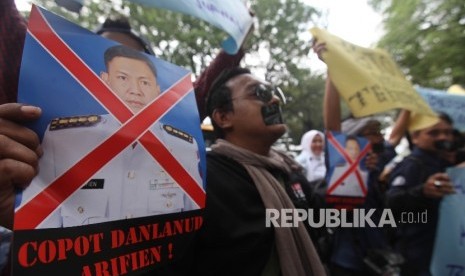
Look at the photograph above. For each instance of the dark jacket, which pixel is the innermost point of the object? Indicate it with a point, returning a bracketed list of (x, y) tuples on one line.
[(234, 239), (415, 240)]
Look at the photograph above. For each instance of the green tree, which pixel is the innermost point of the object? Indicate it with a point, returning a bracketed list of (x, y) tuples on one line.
[(426, 38), (305, 100)]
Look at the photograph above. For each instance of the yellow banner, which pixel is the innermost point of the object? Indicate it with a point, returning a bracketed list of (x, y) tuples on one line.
[(368, 79)]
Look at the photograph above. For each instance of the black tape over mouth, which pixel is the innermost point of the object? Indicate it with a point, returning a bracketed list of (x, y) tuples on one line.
[(272, 115), (445, 145)]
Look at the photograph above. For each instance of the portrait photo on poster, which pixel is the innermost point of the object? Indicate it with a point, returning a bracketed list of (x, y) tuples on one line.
[(121, 138), (347, 175)]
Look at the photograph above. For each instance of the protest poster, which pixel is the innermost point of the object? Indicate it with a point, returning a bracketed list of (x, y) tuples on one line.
[(120, 188), (449, 246), (232, 16), (441, 101), (368, 79), (347, 176)]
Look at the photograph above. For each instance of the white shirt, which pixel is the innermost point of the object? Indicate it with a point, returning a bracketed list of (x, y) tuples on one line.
[(131, 185)]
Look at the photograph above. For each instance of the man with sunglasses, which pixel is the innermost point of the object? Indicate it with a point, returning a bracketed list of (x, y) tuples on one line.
[(418, 184), (245, 177)]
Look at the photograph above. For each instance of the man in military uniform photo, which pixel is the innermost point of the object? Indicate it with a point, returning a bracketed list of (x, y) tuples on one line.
[(132, 184), (352, 185)]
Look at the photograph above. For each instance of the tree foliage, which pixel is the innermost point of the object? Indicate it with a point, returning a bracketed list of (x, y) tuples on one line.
[(277, 49), (427, 38)]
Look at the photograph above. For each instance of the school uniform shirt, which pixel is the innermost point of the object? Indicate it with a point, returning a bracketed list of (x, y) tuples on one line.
[(314, 165), (131, 185)]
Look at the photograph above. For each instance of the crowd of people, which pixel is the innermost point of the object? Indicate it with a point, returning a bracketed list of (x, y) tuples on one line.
[(246, 175)]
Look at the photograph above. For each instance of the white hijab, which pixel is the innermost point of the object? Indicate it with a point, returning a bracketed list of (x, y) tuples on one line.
[(313, 164)]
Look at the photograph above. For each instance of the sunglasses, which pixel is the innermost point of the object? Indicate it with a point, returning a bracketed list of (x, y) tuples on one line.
[(265, 93)]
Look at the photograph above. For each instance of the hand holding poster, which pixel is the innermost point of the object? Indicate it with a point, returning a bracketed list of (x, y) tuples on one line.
[(347, 176), (368, 79), (449, 246), (123, 156)]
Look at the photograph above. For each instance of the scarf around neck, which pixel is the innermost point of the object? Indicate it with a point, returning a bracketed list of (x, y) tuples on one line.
[(297, 255)]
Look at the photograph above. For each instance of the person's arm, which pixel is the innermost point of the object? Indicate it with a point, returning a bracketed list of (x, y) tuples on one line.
[(421, 196), (331, 100), (405, 189), (12, 33), (412, 190), (331, 107), (400, 127), (19, 154)]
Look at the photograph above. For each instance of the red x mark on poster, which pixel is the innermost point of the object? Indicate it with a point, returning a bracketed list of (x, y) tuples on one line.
[(353, 164), (134, 128)]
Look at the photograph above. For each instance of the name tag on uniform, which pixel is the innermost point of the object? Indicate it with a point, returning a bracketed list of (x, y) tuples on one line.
[(94, 184), (155, 184)]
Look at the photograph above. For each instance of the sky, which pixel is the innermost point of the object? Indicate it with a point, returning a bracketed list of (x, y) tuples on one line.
[(354, 21), (23, 5)]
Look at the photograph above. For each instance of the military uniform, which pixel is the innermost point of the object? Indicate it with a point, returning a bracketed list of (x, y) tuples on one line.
[(131, 185), (350, 186)]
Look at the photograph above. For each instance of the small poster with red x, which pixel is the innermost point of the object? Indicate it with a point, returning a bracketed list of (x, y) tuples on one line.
[(347, 175), (120, 189)]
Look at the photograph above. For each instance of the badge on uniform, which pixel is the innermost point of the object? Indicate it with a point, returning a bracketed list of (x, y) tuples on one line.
[(94, 184), (178, 133), (168, 196), (74, 121)]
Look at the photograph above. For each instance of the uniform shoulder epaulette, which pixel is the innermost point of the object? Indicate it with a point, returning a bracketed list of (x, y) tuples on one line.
[(178, 133), (74, 121)]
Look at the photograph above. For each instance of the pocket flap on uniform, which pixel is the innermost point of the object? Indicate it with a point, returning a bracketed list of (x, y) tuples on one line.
[(85, 204), (166, 200)]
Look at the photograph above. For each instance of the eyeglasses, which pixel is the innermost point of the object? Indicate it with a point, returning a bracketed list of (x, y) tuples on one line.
[(265, 93)]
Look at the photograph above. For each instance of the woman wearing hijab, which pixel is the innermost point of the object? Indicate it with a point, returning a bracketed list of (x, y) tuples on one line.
[(312, 156)]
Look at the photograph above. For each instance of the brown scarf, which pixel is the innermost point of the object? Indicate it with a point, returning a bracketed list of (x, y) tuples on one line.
[(297, 255)]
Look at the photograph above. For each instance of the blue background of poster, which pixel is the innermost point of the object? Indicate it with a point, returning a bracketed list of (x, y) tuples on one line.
[(338, 166), (58, 94)]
